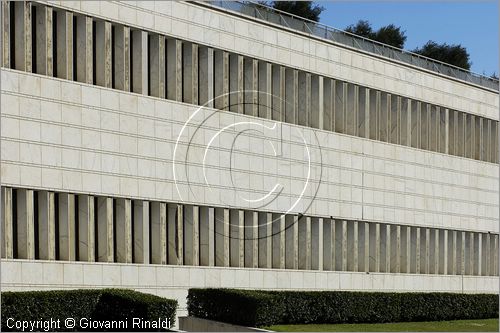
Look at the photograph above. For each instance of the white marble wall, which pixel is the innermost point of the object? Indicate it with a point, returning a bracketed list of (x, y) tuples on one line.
[(65, 136), (259, 39), (69, 136)]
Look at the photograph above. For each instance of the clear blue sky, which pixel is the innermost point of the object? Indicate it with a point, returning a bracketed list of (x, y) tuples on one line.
[(473, 24)]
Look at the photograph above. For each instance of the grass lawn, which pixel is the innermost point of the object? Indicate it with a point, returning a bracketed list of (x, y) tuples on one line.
[(480, 325)]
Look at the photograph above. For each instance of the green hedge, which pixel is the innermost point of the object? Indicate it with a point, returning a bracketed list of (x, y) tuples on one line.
[(97, 304), (249, 308), (264, 308)]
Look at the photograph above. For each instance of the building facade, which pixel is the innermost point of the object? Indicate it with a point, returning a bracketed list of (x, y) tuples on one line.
[(160, 145)]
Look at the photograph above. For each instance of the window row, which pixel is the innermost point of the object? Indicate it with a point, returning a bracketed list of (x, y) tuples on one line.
[(63, 44), (64, 226)]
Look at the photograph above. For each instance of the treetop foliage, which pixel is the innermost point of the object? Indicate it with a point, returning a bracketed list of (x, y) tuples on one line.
[(454, 54), (389, 34), (306, 9)]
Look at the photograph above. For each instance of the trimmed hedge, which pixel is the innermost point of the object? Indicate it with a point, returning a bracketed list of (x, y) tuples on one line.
[(265, 308), (242, 307), (95, 304)]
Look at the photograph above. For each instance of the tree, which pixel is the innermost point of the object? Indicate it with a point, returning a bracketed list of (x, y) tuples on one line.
[(362, 28), (306, 9), (389, 34), (455, 54)]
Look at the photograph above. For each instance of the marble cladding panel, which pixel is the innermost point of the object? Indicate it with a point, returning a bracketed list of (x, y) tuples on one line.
[(97, 140)]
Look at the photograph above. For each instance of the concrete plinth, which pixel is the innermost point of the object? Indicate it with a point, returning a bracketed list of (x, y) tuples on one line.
[(67, 227), (123, 231), (46, 225), (141, 231), (86, 228), (105, 239)]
